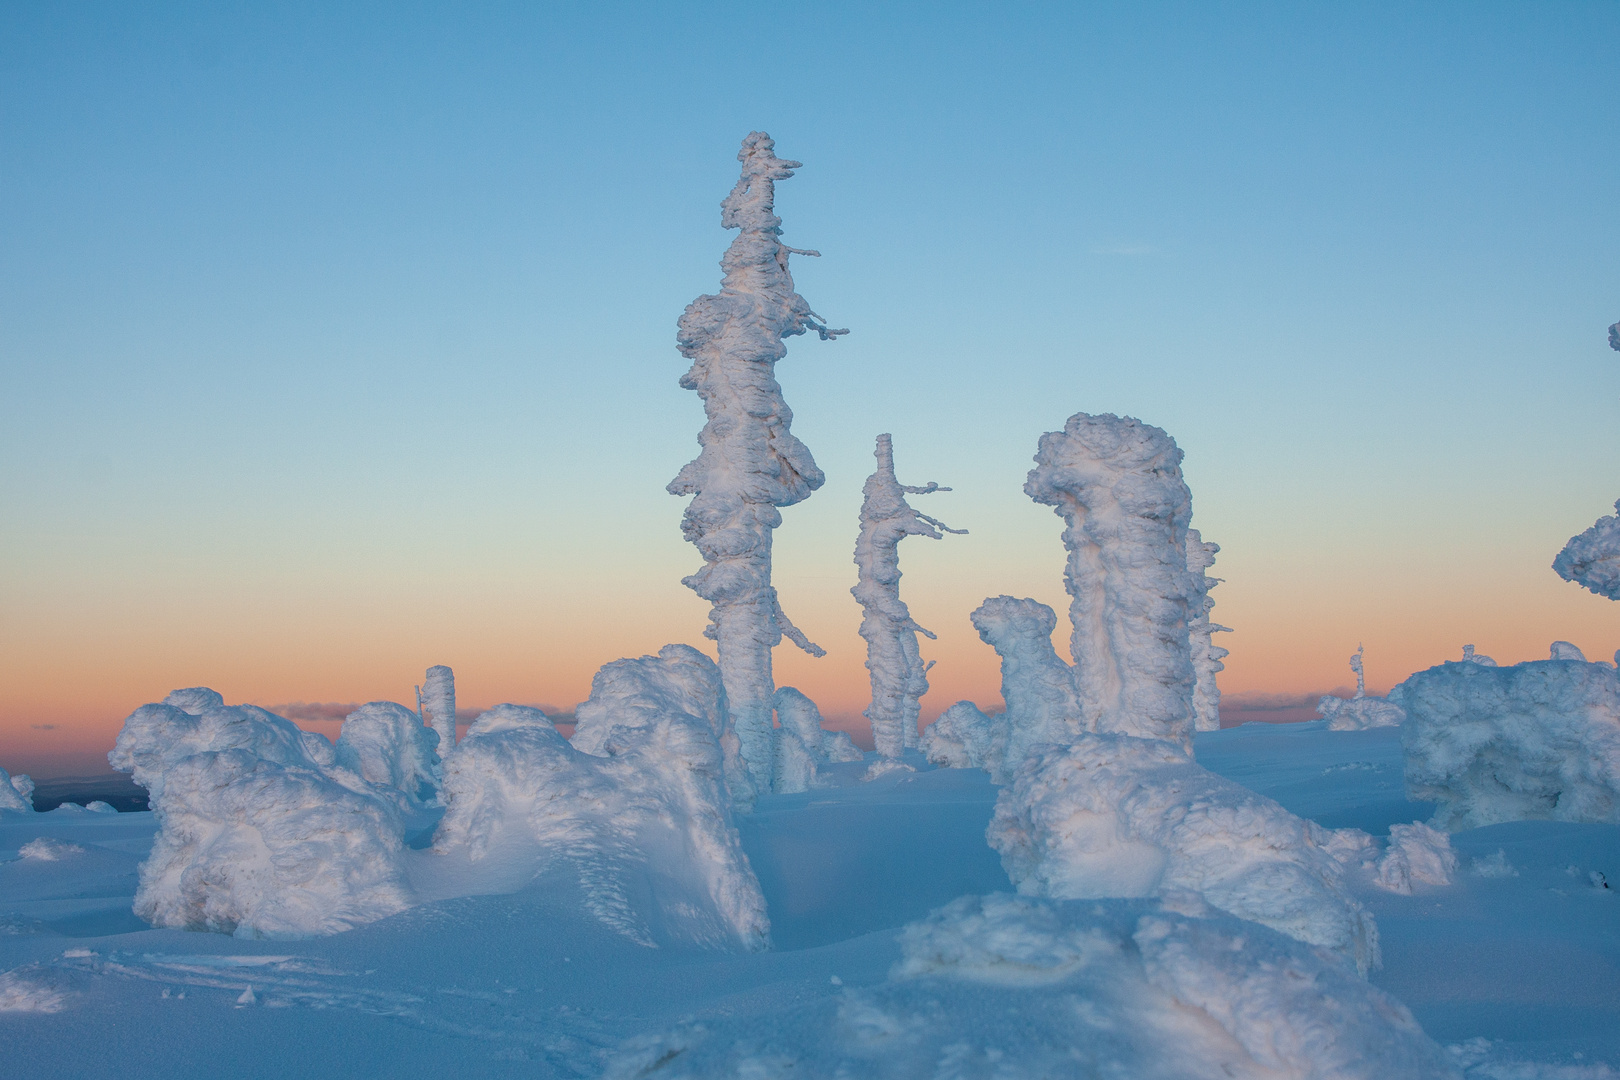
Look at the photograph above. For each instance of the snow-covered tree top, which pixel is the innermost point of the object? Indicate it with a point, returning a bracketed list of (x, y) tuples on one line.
[(886, 519), (1592, 559)]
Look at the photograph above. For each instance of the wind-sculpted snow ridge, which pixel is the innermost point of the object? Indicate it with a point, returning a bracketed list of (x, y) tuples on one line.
[(1010, 986), (259, 834), (1415, 853), (1037, 686), (960, 738), (750, 463), (388, 745), (1206, 655), (1116, 482), (438, 700), (1360, 712), (1534, 741), (16, 793), (1592, 559), (634, 813), (1118, 816), (899, 676), (803, 745)]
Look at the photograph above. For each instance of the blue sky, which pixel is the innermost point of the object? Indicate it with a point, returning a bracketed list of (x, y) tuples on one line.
[(338, 338)]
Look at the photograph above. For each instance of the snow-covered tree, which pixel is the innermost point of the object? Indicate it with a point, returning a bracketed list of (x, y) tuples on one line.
[(1116, 482), (438, 700), (1592, 559), (1036, 685), (899, 676), (750, 464), (1206, 655)]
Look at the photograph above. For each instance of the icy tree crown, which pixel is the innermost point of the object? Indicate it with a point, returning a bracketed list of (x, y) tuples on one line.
[(1592, 559)]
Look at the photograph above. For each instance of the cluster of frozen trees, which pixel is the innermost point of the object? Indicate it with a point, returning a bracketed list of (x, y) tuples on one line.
[(1360, 712)]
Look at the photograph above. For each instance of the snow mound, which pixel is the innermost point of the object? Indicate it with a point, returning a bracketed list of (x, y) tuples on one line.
[(44, 849), (16, 793), (1359, 714), (1004, 987), (1592, 559), (885, 767), (1038, 688), (265, 848), (96, 806), (388, 745), (1495, 865), (1119, 816), (960, 738), (1538, 740), (634, 812), (1116, 483), (156, 737), (1416, 853)]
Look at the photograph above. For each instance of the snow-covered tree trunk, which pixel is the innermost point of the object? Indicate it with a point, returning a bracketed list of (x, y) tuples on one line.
[(899, 676), (439, 705), (1206, 655), (750, 463), (1116, 482)]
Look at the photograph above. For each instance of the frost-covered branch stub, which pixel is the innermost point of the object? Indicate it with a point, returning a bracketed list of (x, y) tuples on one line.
[(750, 463), (899, 676), (1116, 482)]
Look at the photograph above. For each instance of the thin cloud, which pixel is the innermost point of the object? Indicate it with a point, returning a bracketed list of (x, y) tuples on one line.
[(43, 727), (322, 711)]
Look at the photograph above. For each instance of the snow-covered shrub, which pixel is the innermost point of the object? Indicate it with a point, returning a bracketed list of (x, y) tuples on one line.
[(803, 745), (1592, 559), (1038, 687), (1117, 484), (269, 848), (899, 676), (1206, 655), (258, 832), (634, 812), (1538, 740), (1416, 853), (960, 738), (16, 793), (388, 745), (1119, 816), (750, 463), (1360, 712), (1002, 986)]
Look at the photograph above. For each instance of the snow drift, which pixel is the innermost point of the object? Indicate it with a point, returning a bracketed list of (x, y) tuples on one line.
[(1116, 482), (1004, 986), (259, 833), (633, 814), (1038, 688), (1538, 740), (1592, 559), (1119, 816)]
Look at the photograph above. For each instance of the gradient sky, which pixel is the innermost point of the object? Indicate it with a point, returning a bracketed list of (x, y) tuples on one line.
[(338, 339)]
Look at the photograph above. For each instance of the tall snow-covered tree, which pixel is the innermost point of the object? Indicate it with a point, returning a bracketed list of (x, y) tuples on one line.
[(750, 464), (1206, 655), (899, 676)]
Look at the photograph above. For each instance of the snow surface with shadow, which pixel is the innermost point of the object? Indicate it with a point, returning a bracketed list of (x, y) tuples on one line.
[(1514, 965)]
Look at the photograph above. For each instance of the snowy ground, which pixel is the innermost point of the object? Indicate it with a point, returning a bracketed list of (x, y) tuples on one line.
[(1516, 965)]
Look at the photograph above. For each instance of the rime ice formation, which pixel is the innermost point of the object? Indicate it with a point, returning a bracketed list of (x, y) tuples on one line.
[(1037, 686), (258, 833), (899, 676), (1592, 559), (438, 698), (1415, 853), (1360, 712), (1011, 986), (16, 793), (1538, 740), (633, 814), (1118, 816), (750, 463), (1206, 655), (961, 738), (802, 745), (1116, 482), (387, 745), (1564, 650), (1614, 337), (1471, 657)]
